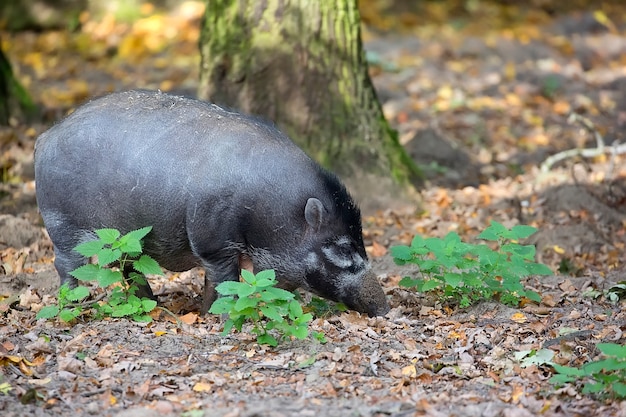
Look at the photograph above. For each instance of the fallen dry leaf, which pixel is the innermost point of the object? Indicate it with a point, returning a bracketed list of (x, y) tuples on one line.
[(189, 318), (519, 318), (202, 387)]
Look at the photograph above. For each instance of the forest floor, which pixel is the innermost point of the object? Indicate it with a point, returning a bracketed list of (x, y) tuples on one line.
[(480, 102)]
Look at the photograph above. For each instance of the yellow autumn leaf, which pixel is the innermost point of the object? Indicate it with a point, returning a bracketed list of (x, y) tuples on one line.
[(513, 100), (519, 318), (36, 61), (558, 249), (510, 71), (518, 392), (456, 335), (160, 333), (445, 92), (133, 47), (546, 407), (24, 368), (409, 371), (14, 359), (112, 400), (532, 119), (202, 387), (604, 20)]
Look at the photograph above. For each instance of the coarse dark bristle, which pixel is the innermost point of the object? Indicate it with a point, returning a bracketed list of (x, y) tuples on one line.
[(345, 207)]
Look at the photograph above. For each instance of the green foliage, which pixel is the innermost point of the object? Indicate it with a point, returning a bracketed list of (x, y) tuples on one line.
[(110, 248), (535, 357), (257, 299), (193, 413), (11, 87), (324, 308), (468, 273), (551, 85), (5, 387), (613, 294), (617, 292), (605, 377), (567, 267), (433, 169)]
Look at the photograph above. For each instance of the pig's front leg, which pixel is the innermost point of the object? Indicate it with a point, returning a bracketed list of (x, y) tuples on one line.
[(216, 272)]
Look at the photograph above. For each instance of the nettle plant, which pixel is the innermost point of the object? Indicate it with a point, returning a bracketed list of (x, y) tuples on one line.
[(270, 310), (111, 248), (468, 272), (605, 377)]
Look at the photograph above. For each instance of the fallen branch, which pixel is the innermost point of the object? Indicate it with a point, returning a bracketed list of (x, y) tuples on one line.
[(600, 149)]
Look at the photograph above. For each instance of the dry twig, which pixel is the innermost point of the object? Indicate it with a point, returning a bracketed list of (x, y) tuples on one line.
[(585, 153)]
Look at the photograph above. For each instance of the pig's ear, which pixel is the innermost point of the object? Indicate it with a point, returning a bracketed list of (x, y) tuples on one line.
[(313, 213)]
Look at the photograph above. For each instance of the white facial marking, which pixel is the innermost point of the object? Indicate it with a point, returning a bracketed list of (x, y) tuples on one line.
[(358, 260), (334, 258), (312, 260), (349, 279)]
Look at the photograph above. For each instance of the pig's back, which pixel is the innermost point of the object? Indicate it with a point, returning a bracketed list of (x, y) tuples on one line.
[(139, 149)]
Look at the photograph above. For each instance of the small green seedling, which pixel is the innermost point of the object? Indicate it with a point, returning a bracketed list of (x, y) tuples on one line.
[(534, 357), (605, 377), (324, 308), (616, 293), (256, 299), (110, 248), (469, 273), (5, 387)]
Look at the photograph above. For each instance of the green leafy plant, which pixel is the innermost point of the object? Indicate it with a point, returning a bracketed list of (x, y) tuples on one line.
[(617, 292), (534, 357), (551, 85), (256, 299), (111, 249), (603, 377), (5, 387), (468, 273), (324, 308)]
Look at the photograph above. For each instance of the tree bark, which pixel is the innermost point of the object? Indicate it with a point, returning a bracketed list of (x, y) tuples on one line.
[(300, 63), (5, 76), (14, 99)]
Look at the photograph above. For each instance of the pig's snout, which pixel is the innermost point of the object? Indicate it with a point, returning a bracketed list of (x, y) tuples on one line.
[(368, 297)]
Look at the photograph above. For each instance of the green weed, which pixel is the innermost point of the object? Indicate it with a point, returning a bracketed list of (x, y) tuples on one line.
[(468, 273), (110, 248), (605, 377), (256, 299)]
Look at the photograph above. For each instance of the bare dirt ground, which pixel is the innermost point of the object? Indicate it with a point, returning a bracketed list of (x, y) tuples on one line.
[(477, 111)]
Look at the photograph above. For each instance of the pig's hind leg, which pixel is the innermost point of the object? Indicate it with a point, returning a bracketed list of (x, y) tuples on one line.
[(66, 259)]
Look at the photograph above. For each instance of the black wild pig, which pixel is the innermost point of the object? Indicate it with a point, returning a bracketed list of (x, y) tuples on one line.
[(215, 185)]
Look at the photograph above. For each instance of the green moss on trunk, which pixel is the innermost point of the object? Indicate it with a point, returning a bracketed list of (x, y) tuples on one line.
[(301, 64)]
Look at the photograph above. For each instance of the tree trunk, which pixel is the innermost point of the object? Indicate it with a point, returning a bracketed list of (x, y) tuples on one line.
[(301, 64), (13, 97), (5, 76)]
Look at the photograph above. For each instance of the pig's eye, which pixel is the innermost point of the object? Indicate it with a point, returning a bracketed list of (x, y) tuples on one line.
[(345, 251), (343, 247), (340, 256)]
